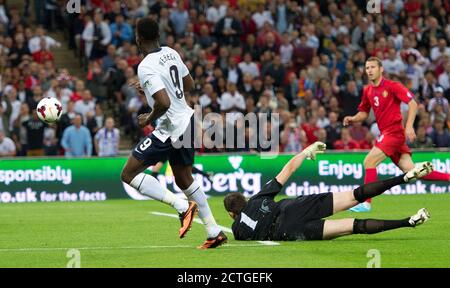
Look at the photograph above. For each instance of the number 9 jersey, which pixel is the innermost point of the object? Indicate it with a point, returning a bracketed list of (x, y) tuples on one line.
[(164, 69)]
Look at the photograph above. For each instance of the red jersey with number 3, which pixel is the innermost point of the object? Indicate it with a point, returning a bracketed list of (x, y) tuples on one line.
[(385, 100)]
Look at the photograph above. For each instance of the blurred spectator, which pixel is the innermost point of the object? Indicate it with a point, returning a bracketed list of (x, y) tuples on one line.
[(166, 26), (322, 137), (7, 146), (108, 61), (85, 106), (444, 77), (440, 52), (286, 50), (248, 66), (179, 17), (20, 131), (293, 138), (358, 131), (310, 129), (107, 139), (121, 31), (5, 115), (228, 29), (97, 36), (438, 100), (76, 140), (216, 12), (35, 44), (77, 94), (438, 112), (232, 102), (422, 140), (393, 64), (96, 81), (317, 71), (262, 16), (333, 129), (346, 142), (322, 119), (19, 51), (367, 142), (35, 135), (440, 135), (50, 141), (205, 99)]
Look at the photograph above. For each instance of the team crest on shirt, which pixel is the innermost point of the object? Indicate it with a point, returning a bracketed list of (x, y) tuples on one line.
[(264, 207), (385, 93)]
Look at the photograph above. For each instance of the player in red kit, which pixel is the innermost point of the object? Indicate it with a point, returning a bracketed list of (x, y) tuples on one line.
[(384, 97)]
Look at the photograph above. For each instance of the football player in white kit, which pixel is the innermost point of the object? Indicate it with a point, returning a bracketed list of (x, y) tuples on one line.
[(164, 77)]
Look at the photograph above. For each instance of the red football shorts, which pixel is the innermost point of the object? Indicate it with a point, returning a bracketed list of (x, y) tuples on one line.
[(393, 145)]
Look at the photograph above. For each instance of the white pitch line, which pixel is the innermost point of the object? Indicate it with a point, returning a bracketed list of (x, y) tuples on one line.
[(226, 229), (41, 249)]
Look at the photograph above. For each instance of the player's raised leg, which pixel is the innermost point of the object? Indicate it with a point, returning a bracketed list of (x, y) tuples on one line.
[(133, 175), (405, 163), (341, 227), (192, 190), (372, 160), (344, 200)]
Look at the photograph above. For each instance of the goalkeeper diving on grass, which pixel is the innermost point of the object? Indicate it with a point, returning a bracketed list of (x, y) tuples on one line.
[(302, 218)]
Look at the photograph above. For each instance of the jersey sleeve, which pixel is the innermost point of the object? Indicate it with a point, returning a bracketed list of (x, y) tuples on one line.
[(401, 92), (153, 84), (364, 106), (150, 81), (270, 189)]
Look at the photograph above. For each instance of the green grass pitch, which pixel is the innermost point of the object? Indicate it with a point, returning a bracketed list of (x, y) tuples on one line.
[(124, 233)]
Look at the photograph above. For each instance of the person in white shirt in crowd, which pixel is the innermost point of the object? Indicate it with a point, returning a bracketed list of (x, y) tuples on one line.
[(262, 16), (248, 66), (107, 139), (7, 146), (4, 20), (232, 103), (438, 99), (205, 99), (322, 119), (444, 78), (439, 52), (97, 36), (393, 64), (34, 44), (86, 105), (11, 93), (216, 12), (286, 49)]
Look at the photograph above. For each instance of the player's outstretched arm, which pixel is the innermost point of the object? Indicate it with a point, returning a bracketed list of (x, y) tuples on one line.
[(293, 164), (359, 117), (162, 104), (409, 129)]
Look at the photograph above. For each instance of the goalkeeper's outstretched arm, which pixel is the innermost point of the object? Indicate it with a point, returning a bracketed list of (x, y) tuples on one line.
[(293, 164)]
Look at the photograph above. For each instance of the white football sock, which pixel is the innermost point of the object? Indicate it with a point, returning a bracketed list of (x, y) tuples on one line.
[(149, 186), (195, 193)]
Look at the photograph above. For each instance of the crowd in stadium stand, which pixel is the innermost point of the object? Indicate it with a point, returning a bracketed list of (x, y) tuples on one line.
[(301, 59)]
